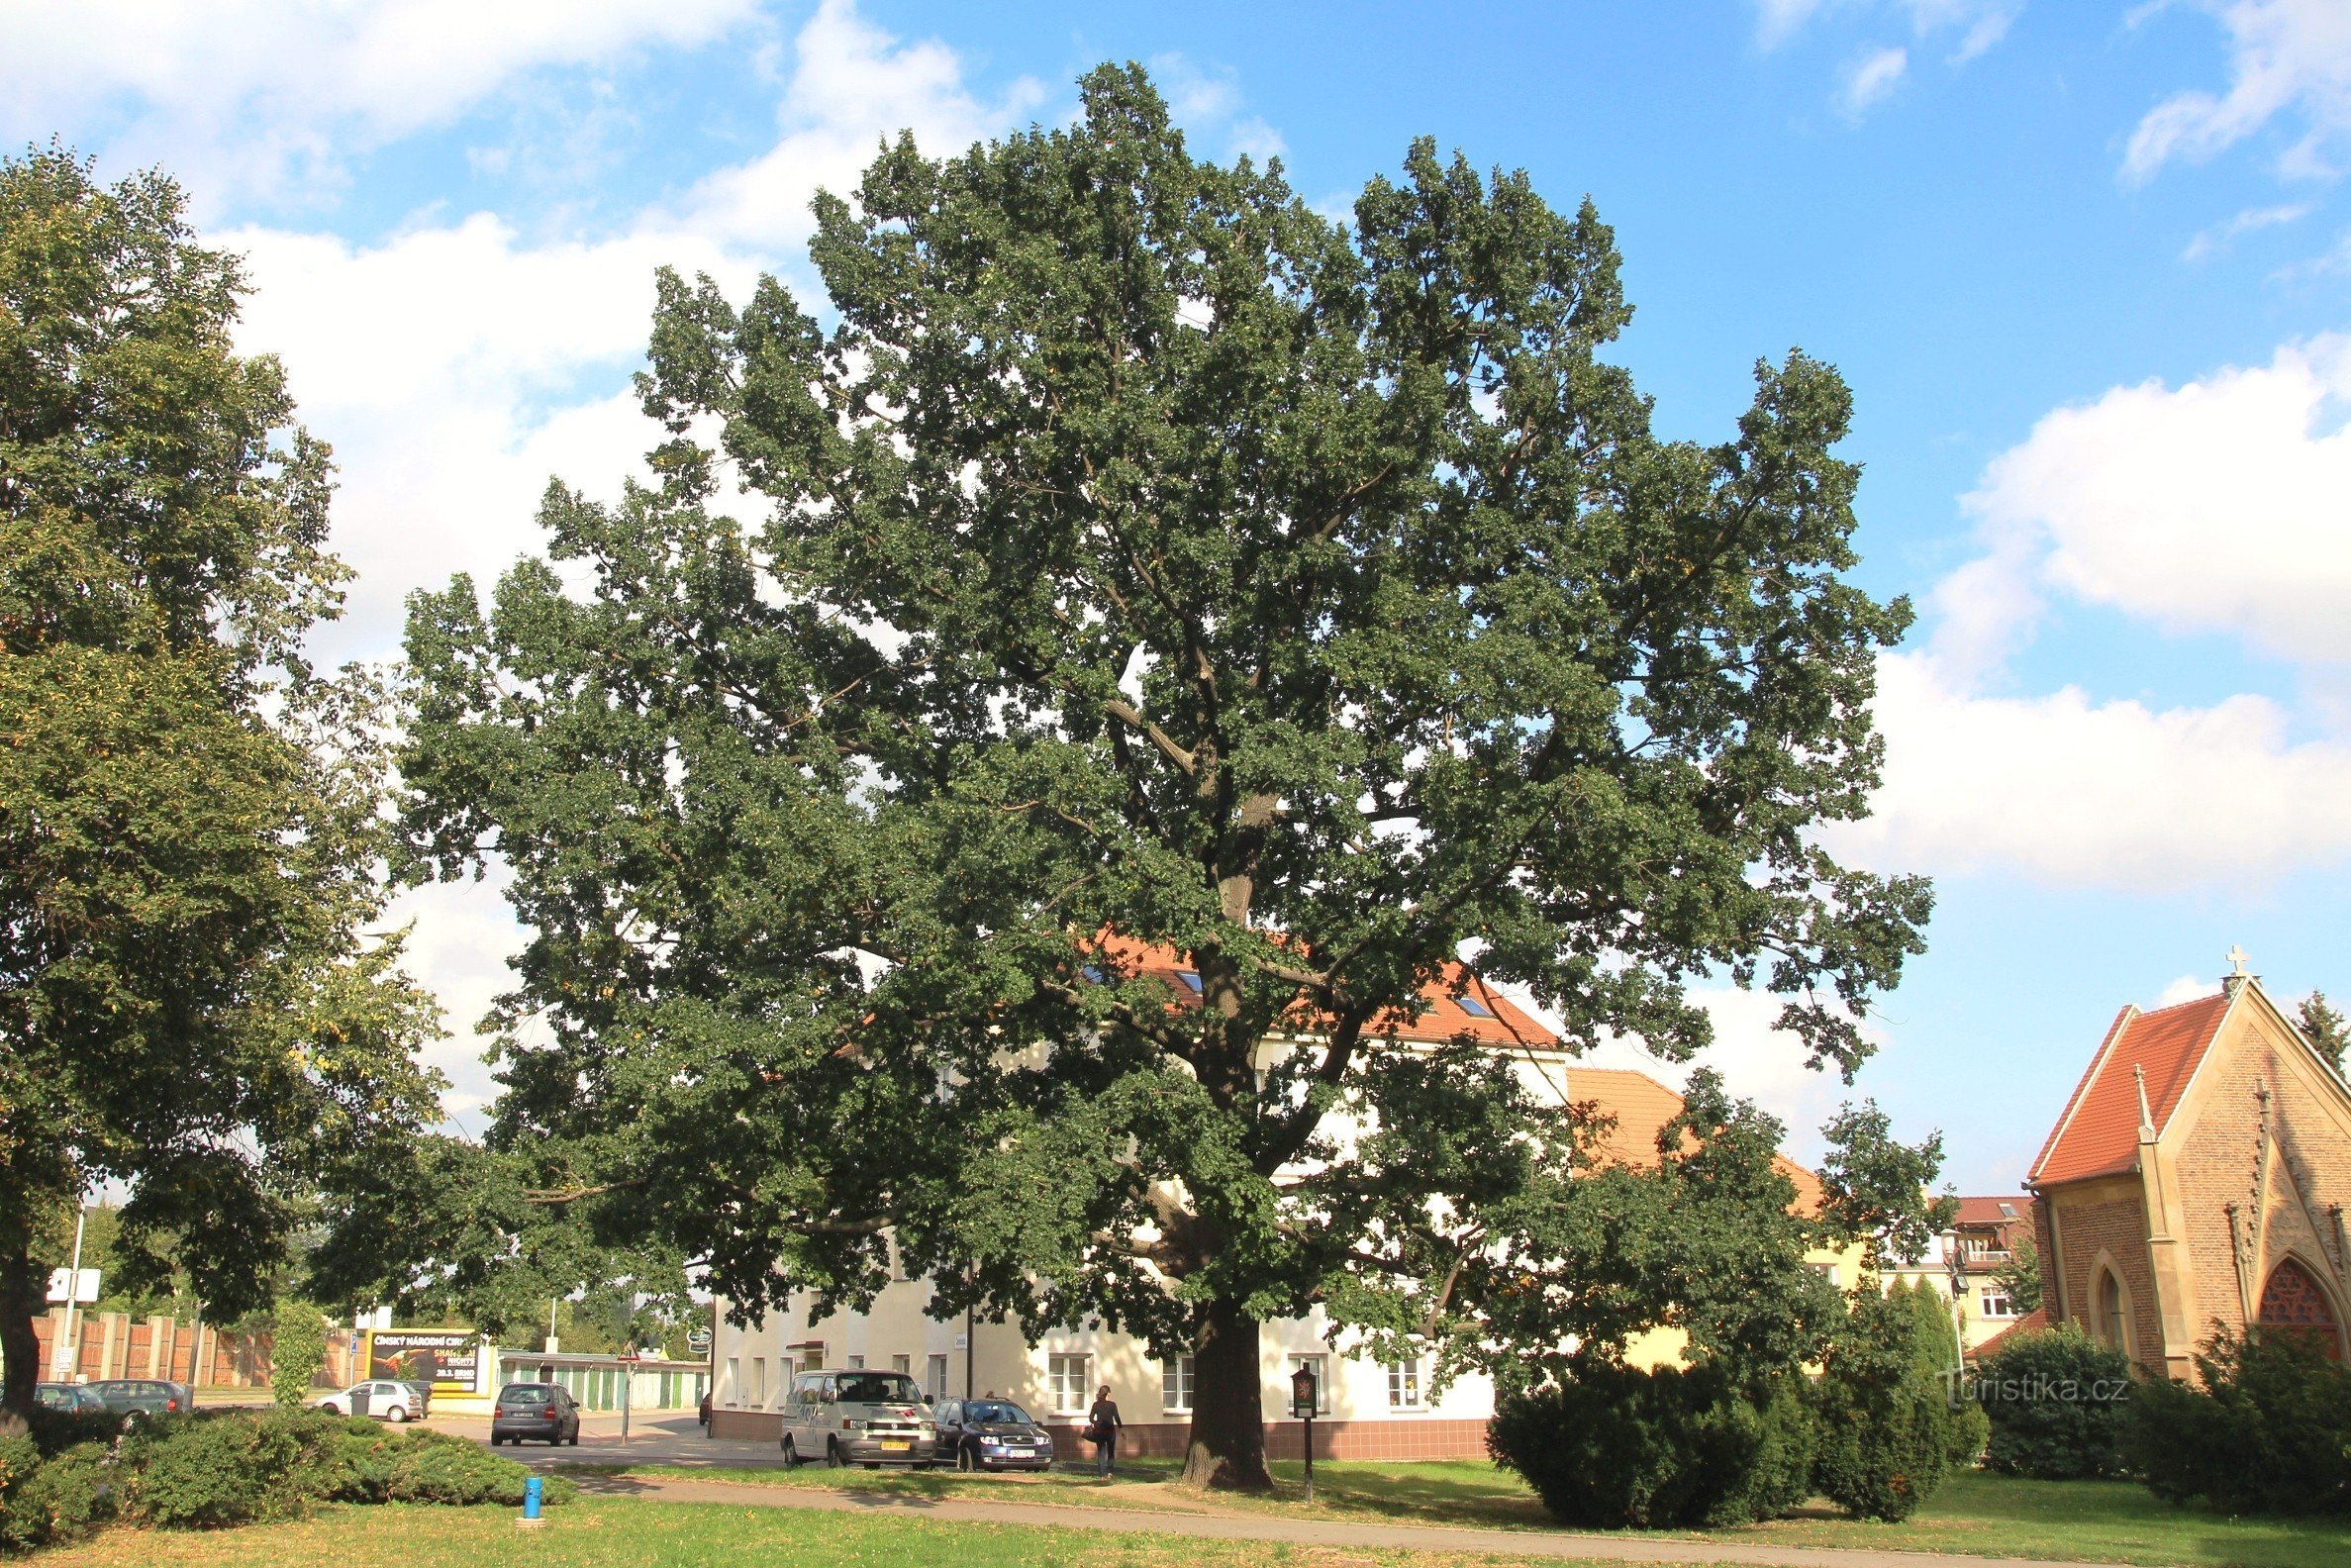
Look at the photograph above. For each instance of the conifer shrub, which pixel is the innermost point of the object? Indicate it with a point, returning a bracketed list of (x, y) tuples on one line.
[(2055, 1401), (2269, 1431), (1890, 1424), (1612, 1447)]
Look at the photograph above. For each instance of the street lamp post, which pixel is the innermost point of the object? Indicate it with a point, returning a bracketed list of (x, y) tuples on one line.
[(1304, 1397)]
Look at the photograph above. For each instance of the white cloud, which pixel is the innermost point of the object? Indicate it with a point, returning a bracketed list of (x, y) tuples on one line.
[(2184, 989), (2285, 56), (2220, 236), (852, 84), (455, 370), (2222, 504), (256, 93), (1979, 23), (1871, 77), (2072, 792)]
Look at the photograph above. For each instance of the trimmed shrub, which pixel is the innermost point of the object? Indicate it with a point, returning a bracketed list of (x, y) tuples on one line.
[(63, 1499), (434, 1467), (1617, 1446), (2268, 1432), (1890, 1425), (2055, 1401), (196, 1471)]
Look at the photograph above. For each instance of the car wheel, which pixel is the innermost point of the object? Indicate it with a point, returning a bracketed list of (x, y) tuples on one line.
[(397, 1415), (966, 1461), (575, 1437), (832, 1459), (791, 1456)]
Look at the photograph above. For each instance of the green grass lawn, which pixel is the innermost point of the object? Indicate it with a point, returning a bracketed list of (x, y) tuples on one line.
[(1977, 1515), (603, 1532)]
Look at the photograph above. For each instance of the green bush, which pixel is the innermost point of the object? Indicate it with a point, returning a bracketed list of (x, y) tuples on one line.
[(296, 1350), (2055, 1401), (433, 1467), (1616, 1446), (2268, 1432), (197, 1471), (1890, 1425), (63, 1499), (57, 1431)]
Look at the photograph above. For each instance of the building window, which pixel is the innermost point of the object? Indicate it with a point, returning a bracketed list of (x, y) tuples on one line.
[(1473, 1007), (1995, 1303), (902, 1364), (733, 1382), (1175, 1384), (1319, 1365), (1403, 1384), (757, 1392), (2111, 1325), (1826, 1271), (939, 1379), (1066, 1379), (856, 1363)]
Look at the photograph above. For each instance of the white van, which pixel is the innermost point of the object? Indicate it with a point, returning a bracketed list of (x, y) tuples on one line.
[(872, 1419)]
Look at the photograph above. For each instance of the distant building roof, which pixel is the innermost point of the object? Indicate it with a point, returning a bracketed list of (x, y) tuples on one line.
[(2098, 1134), (1459, 1004), (1641, 1107), (1995, 1210), (2032, 1322)]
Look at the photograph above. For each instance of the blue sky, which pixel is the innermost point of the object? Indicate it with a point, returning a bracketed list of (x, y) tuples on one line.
[(2084, 263)]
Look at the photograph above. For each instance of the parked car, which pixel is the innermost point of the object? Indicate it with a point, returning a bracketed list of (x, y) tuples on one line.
[(135, 1399), (872, 1419), (535, 1413), (79, 1397), (385, 1399), (992, 1434)]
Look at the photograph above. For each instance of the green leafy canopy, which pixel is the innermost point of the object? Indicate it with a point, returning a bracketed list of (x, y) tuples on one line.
[(1141, 551), (190, 832)]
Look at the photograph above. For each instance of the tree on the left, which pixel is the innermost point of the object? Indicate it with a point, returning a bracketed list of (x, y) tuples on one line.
[(190, 1005)]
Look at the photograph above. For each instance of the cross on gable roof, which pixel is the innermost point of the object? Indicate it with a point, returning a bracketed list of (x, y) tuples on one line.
[(2098, 1134)]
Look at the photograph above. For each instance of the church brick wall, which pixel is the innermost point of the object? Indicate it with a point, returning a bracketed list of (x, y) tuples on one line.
[(2113, 1222), (2216, 1164)]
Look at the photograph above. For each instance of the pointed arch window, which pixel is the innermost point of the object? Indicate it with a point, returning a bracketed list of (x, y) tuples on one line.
[(2292, 1302), (2111, 1325)]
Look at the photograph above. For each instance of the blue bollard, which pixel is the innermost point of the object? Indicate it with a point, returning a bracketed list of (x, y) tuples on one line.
[(530, 1495)]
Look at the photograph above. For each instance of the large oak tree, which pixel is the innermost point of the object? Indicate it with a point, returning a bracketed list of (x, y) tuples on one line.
[(190, 841), (1131, 548)]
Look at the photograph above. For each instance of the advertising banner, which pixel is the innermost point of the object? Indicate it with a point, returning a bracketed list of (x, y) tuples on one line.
[(449, 1360)]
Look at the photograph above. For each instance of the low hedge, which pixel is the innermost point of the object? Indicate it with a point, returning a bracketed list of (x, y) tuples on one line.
[(218, 1468)]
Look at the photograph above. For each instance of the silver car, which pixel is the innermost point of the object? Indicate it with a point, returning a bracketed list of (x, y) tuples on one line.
[(872, 1419)]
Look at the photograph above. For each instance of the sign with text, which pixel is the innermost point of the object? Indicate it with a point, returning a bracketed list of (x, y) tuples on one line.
[(449, 1360)]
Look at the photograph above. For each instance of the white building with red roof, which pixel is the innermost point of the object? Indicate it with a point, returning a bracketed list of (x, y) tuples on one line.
[(1370, 1410), (2198, 1179)]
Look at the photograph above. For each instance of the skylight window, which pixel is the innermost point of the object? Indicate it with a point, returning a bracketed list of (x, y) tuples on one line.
[(1189, 978), (1473, 1007), (1094, 973)]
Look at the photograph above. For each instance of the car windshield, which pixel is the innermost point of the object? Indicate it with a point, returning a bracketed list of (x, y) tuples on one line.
[(981, 1411), (525, 1394), (879, 1388)]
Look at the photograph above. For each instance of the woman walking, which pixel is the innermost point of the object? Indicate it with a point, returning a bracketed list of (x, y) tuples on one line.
[(1102, 1425)]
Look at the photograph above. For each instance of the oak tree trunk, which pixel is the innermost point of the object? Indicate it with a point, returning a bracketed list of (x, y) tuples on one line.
[(23, 1292), (1226, 1449)]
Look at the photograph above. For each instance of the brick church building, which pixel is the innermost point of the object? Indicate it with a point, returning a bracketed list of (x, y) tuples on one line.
[(2198, 1178)]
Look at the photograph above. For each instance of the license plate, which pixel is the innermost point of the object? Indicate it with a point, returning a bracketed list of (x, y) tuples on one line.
[(895, 1445)]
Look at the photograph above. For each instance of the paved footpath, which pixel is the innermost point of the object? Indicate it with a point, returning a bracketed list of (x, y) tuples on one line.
[(1506, 1544)]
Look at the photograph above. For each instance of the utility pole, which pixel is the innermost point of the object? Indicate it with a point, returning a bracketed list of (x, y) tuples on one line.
[(65, 1360)]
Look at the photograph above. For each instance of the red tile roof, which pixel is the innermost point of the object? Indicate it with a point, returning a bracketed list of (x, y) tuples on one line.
[(1490, 1019), (2032, 1322), (1989, 1211), (1640, 1106), (2099, 1135)]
